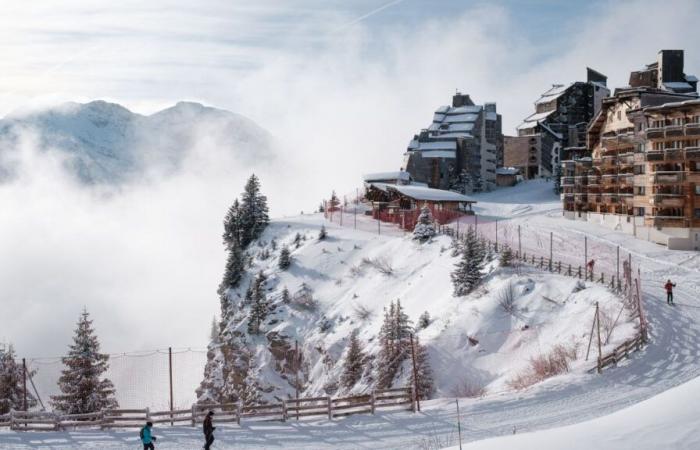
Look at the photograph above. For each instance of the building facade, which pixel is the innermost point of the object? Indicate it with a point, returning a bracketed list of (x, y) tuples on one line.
[(640, 170), (560, 120), (460, 150)]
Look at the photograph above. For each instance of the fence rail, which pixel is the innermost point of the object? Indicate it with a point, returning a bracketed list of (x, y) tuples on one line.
[(325, 407)]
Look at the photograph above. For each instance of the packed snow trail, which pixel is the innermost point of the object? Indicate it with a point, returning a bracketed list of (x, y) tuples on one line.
[(671, 358)]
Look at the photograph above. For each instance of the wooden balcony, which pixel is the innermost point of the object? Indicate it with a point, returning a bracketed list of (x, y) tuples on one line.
[(674, 130), (668, 200), (655, 133), (668, 177), (610, 199), (654, 155), (692, 129)]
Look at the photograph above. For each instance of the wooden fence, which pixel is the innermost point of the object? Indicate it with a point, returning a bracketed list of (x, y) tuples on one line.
[(326, 407), (621, 351)]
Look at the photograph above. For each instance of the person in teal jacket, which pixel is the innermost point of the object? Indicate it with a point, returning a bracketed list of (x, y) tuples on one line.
[(147, 437)]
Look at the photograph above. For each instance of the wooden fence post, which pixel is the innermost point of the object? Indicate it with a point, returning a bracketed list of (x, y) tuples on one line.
[(239, 411), (330, 409), (600, 352), (194, 415), (285, 412), (579, 271), (372, 402)]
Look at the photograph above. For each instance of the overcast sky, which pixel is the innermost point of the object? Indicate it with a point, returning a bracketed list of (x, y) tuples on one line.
[(343, 84)]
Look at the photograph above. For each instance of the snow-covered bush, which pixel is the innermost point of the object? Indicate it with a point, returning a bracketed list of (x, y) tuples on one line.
[(361, 313), (285, 258), (304, 299), (506, 259), (466, 387), (424, 320), (380, 263), (506, 298), (542, 367), (424, 229), (322, 234)]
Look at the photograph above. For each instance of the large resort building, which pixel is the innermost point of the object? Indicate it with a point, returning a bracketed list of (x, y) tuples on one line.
[(460, 150), (640, 170), (560, 120)]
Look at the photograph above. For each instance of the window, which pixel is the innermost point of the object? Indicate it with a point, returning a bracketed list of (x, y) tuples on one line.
[(697, 189), (658, 146), (639, 190), (693, 119), (657, 123), (639, 169), (640, 211), (676, 121), (697, 213)]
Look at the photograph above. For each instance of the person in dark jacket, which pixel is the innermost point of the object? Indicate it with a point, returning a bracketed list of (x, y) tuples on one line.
[(208, 428), (147, 438), (669, 291)]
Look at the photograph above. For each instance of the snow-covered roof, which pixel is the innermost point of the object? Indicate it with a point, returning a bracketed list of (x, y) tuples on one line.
[(429, 194), (460, 127), (380, 186), (437, 145), (456, 134), (461, 118), (693, 102), (439, 154), (507, 171), (677, 85), (534, 119), (691, 78), (463, 109), (384, 176), (555, 92)]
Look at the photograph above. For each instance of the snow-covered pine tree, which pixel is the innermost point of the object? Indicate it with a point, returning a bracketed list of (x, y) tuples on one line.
[(286, 298), (285, 258), (253, 212), (235, 268), (12, 383), (424, 229), (424, 320), (354, 362), (297, 240), (506, 259), (83, 386), (334, 202), (425, 382), (322, 234), (214, 331), (467, 273), (232, 225), (260, 307), (394, 339)]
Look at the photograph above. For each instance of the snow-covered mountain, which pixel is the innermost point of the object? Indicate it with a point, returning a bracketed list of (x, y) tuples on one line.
[(106, 143)]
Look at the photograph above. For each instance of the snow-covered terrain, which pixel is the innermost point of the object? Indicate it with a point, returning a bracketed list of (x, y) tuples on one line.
[(595, 403), (106, 143)]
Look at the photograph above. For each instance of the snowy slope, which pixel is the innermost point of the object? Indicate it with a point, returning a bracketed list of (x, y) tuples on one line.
[(471, 340), (105, 142)]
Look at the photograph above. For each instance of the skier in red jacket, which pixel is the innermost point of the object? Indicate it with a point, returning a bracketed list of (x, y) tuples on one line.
[(669, 291)]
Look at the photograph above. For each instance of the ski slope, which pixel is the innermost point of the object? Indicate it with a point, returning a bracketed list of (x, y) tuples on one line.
[(646, 389)]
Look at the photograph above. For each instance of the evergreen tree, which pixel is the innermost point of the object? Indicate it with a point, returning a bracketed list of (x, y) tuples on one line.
[(322, 234), (253, 212), (285, 258), (273, 244), (83, 387), (354, 362), (426, 384), (467, 273), (321, 208), (260, 308), (506, 259), (297, 240), (12, 383), (214, 331), (235, 268), (424, 229), (232, 225), (333, 203), (394, 339), (286, 298), (424, 320)]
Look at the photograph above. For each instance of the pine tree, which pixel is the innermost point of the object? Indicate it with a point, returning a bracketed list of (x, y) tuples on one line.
[(426, 384), (286, 298), (253, 212), (297, 240), (322, 234), (394, 339), (354, 362), (260, 308), (424, 320), (506, 259), (235, 268), (285, 258), (467, 273), (83, 387), (214, 331), (424, 229), (12, 383), (232, 225), (333, 203)]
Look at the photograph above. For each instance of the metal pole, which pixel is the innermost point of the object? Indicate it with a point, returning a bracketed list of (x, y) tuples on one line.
[(496, 235), (379, 224), (520, 248), (459, 425), (585, 256), (296, 370), (618, 263), (24, 383), (551, 249), (597, 319), (415, 373), (170, 372)]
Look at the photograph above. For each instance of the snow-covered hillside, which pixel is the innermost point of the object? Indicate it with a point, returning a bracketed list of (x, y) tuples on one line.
[(106, 143), (475, 346)]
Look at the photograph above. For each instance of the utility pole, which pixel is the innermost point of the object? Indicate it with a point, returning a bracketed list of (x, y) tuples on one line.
[(459, 425), (618, 262), (496, 249), (520, 248), (415, 373), (170, 372), (296, 370), (24, 383), (585, 257), (551, 249)]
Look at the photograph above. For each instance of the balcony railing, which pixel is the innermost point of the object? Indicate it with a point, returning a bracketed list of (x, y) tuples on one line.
[(674, 130), (668, 177), (668, 200), (692, 153), (567, 181), (692, 129), (655, 155), (655, 132)]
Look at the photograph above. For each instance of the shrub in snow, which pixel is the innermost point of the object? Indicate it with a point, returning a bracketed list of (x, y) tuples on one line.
[(322, 234), (381, 264), (467, 273), (334, 202), (362, 313), (285, 258), (424, 320), (12, 383), (466, 387), (424, 229), (303, 299), (83, 387), (506, 298), (506, 259), (354, 363), (580, 285), (542, 367)]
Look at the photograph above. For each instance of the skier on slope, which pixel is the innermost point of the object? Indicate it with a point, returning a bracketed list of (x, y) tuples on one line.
[(147, 437), (669, 291), (208, 429)]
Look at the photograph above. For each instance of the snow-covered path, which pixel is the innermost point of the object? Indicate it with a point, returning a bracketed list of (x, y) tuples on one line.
[(671, 358)]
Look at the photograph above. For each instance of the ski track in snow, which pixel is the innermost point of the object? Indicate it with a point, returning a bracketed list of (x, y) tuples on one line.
[(671, 358)]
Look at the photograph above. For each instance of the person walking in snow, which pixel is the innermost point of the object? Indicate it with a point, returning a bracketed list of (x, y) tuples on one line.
[(669, 291), (147, 438), (208, 428)]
